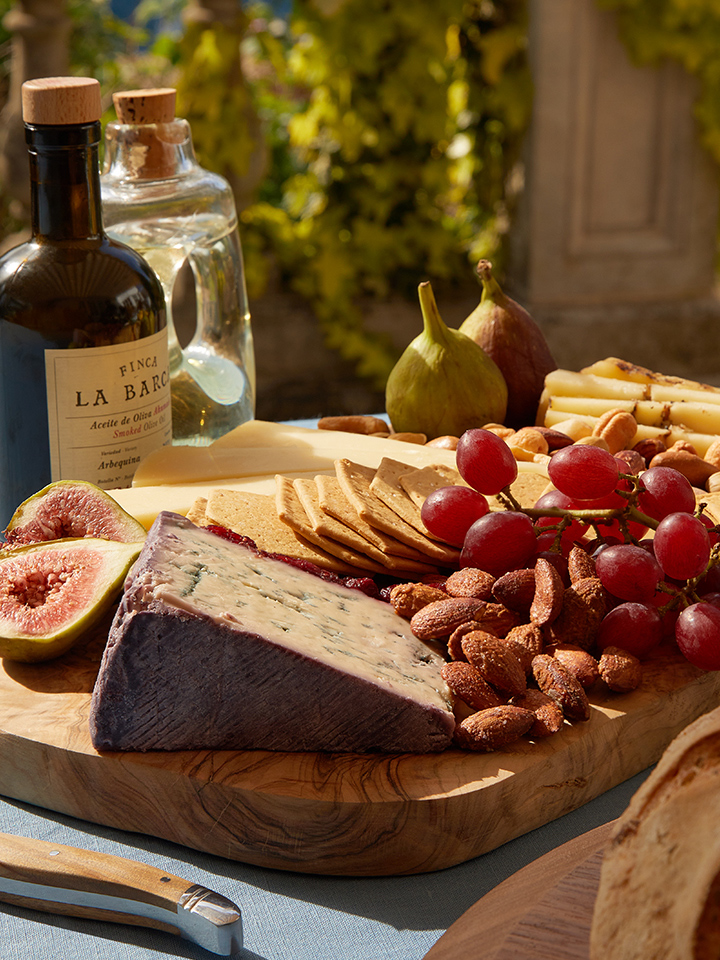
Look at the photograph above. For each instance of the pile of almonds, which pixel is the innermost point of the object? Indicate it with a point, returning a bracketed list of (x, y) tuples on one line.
[(519, 646)]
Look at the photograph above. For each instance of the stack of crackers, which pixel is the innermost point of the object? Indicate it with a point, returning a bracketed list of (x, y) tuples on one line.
[(358, 520)]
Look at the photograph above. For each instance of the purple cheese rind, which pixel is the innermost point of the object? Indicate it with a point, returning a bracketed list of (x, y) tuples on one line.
[(174, 677)]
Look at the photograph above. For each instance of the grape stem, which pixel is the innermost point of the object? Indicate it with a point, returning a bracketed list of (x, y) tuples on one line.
[(629, 512)]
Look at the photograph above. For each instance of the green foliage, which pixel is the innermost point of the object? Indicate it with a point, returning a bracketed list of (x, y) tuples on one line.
[(410, 121), (389, 130), (687, 31)]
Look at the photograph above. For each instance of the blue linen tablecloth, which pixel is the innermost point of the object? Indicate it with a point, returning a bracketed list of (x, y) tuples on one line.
[(286, 916)]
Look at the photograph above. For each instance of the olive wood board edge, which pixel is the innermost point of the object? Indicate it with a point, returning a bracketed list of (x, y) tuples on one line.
[(341, 814), (542, 912)]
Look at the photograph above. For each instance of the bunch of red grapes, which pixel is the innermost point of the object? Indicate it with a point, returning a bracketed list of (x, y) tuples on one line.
[(667, 584)]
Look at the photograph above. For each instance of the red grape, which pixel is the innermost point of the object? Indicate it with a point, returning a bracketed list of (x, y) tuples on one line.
[(628, 572), (485, 461), (682, 546), (449, 512), (584, 472), (571, 535), (634, 627), (664, 490), (710, 583), (498, 542), (712, 529), (697, 632)]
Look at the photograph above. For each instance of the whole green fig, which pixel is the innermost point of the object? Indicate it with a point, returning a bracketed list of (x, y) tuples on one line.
[(443, 384), (509, 335)]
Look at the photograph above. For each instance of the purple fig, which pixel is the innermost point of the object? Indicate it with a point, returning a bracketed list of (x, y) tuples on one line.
[(510, 336)]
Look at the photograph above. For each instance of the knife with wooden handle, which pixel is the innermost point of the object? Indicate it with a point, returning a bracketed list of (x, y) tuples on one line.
[(99, 886)]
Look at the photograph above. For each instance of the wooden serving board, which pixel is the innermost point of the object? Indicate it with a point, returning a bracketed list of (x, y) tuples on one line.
[(543, 912), (321, 813)]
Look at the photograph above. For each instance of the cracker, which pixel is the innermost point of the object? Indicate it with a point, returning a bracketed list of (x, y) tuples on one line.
[(328, 526), (196, 513), (334, 502), (421, 482), (254, 515), (386, 487), (527, 487), (291, 512), (355, 480)]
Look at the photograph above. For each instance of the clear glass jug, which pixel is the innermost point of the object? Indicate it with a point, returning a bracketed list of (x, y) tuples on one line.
[(157, 199)]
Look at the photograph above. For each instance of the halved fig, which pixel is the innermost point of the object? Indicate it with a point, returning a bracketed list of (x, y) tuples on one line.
[(52, 593), (72, 508)]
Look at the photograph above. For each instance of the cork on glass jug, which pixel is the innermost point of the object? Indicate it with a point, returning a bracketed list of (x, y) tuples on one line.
[(159, 200)]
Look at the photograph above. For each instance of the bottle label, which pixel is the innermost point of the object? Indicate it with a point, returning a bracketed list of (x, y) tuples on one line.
[(108, 407)]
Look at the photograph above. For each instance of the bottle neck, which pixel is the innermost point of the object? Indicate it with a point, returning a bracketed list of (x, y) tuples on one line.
[(145, 152), (65, 181)]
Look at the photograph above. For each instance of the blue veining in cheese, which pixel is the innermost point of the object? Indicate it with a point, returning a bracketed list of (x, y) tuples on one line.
[(303, 664)]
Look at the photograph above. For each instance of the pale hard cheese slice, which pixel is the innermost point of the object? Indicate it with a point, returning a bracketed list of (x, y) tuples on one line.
[(260, 447), (215, 647)]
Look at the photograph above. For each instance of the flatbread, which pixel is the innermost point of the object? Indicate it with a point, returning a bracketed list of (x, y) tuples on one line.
[(355, 480)]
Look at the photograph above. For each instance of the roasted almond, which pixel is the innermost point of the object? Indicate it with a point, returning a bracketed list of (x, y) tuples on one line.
[(530, 637), (497, 663), (580, 564), (354, 423), (515, 590), (467, 683), (581, 664), (439, 618), (549, 593), (558, 683), (549, 717), (585, 603), (620, 670), (470, 582), (407, 598), (493, 728), (497, 619), (454, 643)]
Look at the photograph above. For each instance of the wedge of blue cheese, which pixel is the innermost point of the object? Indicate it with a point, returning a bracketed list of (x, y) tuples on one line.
[(217, 647)]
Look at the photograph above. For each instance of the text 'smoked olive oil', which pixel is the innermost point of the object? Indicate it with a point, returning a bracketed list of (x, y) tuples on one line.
[(84, 384)]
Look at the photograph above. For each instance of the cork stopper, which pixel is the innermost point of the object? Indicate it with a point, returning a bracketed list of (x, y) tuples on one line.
[(61, 100), (145, 106)]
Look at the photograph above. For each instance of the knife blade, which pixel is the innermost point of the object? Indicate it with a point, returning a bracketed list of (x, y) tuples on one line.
[(55, 878)]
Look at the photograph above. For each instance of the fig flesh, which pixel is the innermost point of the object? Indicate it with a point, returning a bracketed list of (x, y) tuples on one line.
[(71, 508), (509, 335), (52, 593), (443, 383)]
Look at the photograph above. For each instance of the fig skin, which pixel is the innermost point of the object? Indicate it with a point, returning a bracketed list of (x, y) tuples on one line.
[(443, 383), (509, 335), (71, 508)]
